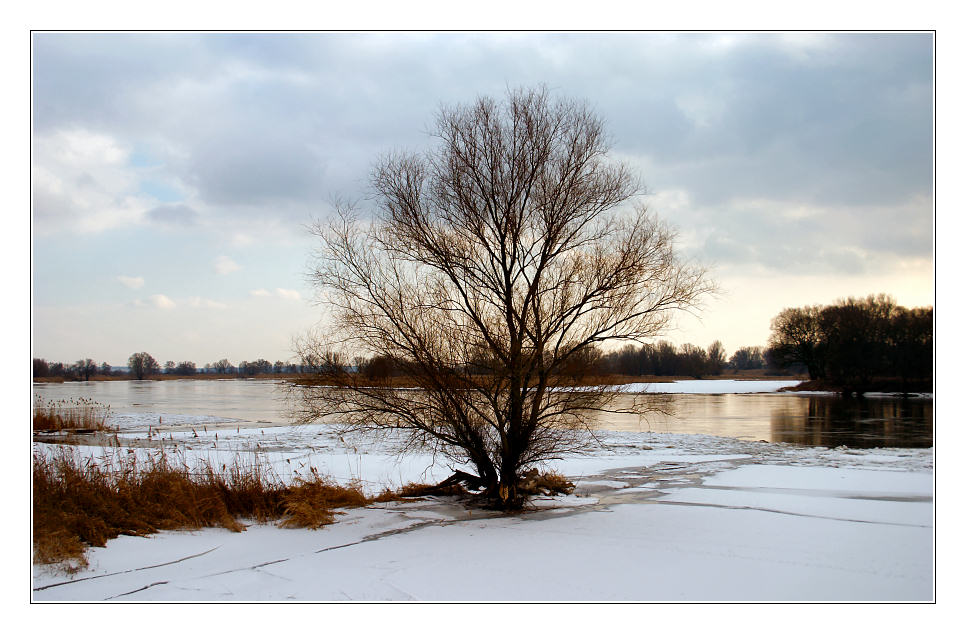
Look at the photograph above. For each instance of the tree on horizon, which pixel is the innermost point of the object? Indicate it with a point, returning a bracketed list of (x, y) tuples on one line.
[(142, 364)]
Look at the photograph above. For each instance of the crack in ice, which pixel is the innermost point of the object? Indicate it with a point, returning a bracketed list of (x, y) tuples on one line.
[(122, 572)]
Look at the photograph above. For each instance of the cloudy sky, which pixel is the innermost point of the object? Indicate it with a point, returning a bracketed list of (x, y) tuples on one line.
[(172, 174)]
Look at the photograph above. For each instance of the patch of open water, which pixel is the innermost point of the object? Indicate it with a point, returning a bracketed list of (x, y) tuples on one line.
[(806, 419)]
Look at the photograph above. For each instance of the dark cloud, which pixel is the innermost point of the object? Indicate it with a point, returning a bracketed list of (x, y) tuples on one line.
[(180, 215), (274, 125), (246, 168), (91, 79), (836, 124)]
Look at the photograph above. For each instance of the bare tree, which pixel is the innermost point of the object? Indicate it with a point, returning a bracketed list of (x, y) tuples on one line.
[(716, 358), (40, 368), (747, 358), (796, 338), (85, 368), (491, 262), (855, 333), (186, 368), (910, 344), (693, 360), (142, 364)]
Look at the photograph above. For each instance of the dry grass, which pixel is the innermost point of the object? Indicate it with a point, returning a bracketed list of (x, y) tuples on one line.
[(69, 414), (414, 490), (531, 483), (80, 503), (309, 502), (547, 483)]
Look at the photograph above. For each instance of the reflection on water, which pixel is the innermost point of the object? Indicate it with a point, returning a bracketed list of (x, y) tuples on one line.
[(251, 400), (862, 423), (828, 421)]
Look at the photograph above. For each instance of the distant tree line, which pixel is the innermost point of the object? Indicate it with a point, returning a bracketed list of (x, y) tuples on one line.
[(142, 365), (81, 370), (660, 359), (253, 368), (666, 359), (856, 344), (853, 344)]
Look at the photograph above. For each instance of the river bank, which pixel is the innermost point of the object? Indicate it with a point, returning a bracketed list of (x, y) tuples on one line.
[(610, 379), (655, 517)]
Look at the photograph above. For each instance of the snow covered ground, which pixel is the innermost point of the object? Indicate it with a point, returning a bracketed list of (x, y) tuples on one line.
[(716, 386), (655, 517)]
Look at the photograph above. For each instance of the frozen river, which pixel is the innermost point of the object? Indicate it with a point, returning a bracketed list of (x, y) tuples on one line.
[(808, 419), (708, 517)]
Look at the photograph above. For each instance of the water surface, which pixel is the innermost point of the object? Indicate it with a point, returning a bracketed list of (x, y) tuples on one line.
[(822, 420), (806, 419)]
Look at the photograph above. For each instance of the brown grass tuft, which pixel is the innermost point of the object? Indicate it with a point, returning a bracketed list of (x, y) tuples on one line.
[(85, 502), (79, 503), (70, 414), (309, 502), (61, 549), (547, 483), (413, 490)]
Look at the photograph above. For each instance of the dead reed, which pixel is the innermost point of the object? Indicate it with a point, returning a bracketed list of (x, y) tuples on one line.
[(69, 414), (81, 502), (85, 502), (546, 483)]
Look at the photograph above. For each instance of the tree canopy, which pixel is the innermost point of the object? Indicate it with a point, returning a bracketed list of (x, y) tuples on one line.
[(854, 341), (142, 364), (488, 267)]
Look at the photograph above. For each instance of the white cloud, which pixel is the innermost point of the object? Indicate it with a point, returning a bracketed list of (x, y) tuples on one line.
[(82, 181), (162, 301), (707, 122), (201, 302), (79, 147), (286, 293), (131, 282), (283, 293), (225, 265), (669, 201), (240, 239), (701, 109)]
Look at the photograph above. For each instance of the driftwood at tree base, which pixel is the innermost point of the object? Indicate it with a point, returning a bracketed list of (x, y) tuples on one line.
[(472, 482), (531, 483), (535, 483), (450, 486)]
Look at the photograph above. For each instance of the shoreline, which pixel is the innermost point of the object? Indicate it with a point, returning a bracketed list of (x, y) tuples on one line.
[(402, 382), (682, 507)]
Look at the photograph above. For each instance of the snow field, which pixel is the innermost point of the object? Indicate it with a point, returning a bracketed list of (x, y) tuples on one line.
[(655, 517)]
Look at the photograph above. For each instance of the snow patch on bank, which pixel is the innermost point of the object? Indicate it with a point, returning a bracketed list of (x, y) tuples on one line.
[(711, 386), (655, 517)]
